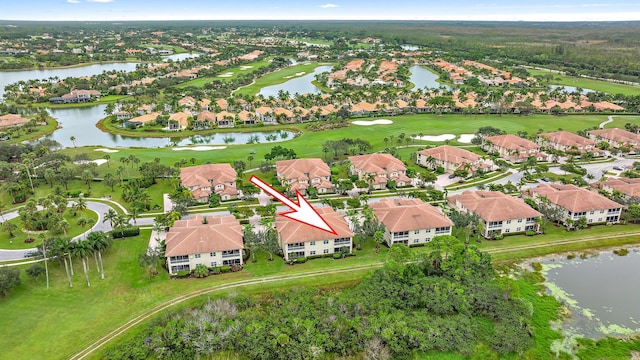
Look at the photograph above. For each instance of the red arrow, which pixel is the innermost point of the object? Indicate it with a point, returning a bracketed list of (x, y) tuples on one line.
[(302, 211)]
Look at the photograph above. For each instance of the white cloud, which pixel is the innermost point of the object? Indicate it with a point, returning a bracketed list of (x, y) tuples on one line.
[(100, 1), (73, 1), (327, 6)]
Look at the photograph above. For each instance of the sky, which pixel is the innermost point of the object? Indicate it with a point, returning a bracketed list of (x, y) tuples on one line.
[(492, 10)]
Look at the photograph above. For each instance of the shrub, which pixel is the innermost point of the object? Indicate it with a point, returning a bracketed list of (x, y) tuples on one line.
[(416, 245), (337, 256), (183, 274), (314, 257), (201, 271), (215, 270), (530, 233), (126, 232), (225, 268), (301, 260), (621, 252), (353, 203), (499, 237)]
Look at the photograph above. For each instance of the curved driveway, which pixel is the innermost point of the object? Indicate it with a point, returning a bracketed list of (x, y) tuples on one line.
[(97, 207)]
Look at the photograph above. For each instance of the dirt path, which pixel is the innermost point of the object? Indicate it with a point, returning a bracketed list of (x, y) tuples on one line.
[(169, 303), (97, 344)]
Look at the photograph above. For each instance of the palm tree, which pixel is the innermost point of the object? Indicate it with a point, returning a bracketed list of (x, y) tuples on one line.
[(120, 222), (110, 215), (82, 250), (61, 247), (73, 140), (42, 237), (134, 214), (378, 238), (99, 241)]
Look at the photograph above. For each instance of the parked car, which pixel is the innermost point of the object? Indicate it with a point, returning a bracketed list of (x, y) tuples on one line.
[(544, 179), (617, 168), (451, 176), (29, 254)]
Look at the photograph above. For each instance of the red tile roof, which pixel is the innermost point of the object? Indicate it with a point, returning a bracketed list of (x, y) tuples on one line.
[(494, 205), (408, 214), (292, 231), (193, 237)]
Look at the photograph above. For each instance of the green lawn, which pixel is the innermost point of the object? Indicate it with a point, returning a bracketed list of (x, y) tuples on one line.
[(38, 132), (599, 85), (277, 77), (103, 100), (61, 328), (17, 242), (309, 144), (233, 72)]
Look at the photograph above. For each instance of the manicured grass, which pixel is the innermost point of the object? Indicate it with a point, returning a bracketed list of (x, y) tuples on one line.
[(309, 144), (277, 77), (238, 70), (598, 85), (38, 132), (17, 242), (103, 100), (61, 328)]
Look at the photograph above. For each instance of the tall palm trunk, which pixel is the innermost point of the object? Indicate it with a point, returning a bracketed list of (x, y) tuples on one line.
[(95, 256), (66, 268), (70, 264), (101, 265), (86, 272)]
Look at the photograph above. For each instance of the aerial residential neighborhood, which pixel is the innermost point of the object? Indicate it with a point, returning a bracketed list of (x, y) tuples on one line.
[(289, 187)]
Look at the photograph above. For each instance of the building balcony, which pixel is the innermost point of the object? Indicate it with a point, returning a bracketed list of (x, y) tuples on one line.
[(294, 248)]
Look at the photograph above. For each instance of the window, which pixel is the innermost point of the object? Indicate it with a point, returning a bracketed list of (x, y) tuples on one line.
[(443, 230), (590, 220), (416, 232), (592, 212), (519, 221), (427, 239), (325, 242), (518, 228), (197, 256), (176, 268), (212, 254), (508, 221), (415, 241), (508, 230), (312, 243), (179, 259), (400, 234), (214, 264), (428, 230), (599, 219), (602, 211), (313, 252), (325, 251)]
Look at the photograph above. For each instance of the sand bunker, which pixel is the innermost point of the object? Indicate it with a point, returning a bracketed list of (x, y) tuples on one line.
[(442, 137), (200, 148), (97, 162), (245, 67), (107, 150), (466, 138), (294, 75), (227, 74), (373, 122)]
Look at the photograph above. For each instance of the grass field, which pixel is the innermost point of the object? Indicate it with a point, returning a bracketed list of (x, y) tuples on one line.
[(103, 100), (309, 144), (233, 72), (17, 242), (62, 328), (38, 132), (598, 85), (277, 77)]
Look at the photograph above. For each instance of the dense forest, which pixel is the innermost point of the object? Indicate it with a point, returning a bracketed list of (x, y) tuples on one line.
[(448, 300)]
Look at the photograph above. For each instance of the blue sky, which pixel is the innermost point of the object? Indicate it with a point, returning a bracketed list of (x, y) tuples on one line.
[(506, 10)]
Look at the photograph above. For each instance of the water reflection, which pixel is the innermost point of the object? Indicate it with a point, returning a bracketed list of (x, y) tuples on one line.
[(81, 124), (300, 85)]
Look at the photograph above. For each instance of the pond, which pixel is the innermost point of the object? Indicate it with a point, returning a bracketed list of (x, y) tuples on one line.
[(81, 124), (422, 77), (602, 291), (10, 77), (300, 85)]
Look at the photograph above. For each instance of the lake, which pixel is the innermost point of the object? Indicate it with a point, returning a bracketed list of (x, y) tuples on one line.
[(10, 77), (421, 78), (81, 124), (300, 85), (602, 291)]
